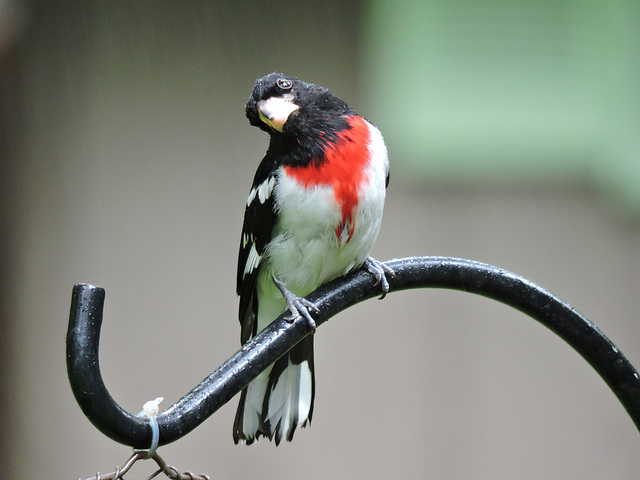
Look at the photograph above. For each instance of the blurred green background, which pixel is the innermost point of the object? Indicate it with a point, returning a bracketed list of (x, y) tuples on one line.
[(512, 93), (126, 160)]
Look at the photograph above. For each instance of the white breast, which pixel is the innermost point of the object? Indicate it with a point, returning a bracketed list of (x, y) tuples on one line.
[(305, 251)]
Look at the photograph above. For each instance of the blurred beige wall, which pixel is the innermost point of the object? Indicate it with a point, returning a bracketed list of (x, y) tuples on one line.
[(134, 164)]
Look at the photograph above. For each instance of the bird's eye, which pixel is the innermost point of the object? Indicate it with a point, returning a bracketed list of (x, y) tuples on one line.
[(284, 84)]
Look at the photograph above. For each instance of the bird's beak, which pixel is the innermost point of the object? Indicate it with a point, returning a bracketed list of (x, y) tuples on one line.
[(275, 111)]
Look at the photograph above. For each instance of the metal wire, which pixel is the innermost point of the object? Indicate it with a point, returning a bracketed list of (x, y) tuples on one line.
[(168, 470), (202, 401)]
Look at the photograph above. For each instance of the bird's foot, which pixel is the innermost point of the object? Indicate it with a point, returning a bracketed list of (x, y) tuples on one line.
[(380, 271), (298, 306)]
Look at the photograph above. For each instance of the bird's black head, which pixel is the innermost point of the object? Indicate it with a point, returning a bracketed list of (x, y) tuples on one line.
[(281, 104)]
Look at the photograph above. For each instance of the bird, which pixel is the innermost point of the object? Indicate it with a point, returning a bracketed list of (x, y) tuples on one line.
[(313, 214)]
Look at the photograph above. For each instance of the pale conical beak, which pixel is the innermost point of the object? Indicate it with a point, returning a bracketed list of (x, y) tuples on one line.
[(275, 111)]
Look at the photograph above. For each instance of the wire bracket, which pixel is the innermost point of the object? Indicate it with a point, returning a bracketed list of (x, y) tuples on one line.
[(168, 470), (85, 321)]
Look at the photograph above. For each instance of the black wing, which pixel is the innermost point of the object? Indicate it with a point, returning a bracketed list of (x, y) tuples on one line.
[(259, 219)]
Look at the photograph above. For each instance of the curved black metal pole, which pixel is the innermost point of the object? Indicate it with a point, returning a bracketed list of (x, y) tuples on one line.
[(218, 388)]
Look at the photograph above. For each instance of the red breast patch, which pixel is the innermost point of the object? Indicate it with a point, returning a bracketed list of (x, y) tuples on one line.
[(343, 168)]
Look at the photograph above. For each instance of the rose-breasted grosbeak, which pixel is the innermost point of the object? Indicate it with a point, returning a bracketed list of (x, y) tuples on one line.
[(313, 214)]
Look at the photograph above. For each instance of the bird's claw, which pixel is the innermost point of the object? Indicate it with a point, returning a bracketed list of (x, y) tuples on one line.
[(380, 271), (298, 306)]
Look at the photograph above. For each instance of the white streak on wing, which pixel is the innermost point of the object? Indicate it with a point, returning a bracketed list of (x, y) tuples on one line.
[(246, 238), (251, 196), (253, 260), (265, 189), (262, 191)]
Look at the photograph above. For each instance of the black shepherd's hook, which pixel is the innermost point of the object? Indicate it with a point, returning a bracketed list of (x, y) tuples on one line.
[(218, 388)]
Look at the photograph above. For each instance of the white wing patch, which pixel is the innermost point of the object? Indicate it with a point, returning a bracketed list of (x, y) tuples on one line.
[(253, 260), (265, 189), (262, 191), (246, 238), (251, 196)]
